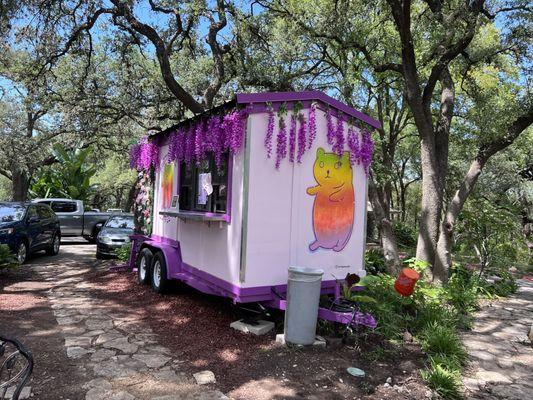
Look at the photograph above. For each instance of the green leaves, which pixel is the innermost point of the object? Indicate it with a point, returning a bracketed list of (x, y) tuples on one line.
[(70, 177), (7, 258)]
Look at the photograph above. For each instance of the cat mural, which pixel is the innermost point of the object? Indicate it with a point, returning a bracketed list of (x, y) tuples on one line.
[(333, 209)]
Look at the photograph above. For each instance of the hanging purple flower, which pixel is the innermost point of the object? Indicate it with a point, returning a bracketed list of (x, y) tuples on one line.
[(234, 127), (311, 125), (148, 155), (269, 132), (353, 145), (218, 138), (338, 146), (175, 150), (281, 148), (367, 148), (331, 128), (238, 130), (199, 141), (292, 137), (301, 138), (189, 145), (154, 155)]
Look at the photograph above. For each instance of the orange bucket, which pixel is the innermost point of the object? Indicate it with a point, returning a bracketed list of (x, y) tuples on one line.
[(406, 281)]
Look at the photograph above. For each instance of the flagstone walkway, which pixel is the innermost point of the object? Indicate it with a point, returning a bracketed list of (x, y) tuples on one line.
[(119, 356), (501, 354)]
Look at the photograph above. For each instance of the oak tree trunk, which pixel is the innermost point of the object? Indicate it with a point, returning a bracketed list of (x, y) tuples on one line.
[(383, 222), (20, 184), (443, 260), (431, 207)]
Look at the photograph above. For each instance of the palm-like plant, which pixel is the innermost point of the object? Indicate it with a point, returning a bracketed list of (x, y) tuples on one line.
[(70, 177)]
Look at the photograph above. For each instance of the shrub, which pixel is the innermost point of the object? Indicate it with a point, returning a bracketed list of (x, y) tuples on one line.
[(7, 258), (389, 308), (463, 290), (375, 262), (123, 253)]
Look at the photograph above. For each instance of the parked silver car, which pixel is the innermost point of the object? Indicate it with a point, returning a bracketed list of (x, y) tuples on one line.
[(114, 234)]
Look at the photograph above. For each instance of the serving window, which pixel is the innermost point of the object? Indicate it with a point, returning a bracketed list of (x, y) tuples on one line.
[(203, 187)]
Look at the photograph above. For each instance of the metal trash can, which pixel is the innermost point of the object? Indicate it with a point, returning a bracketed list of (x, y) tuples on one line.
[(303, 296)]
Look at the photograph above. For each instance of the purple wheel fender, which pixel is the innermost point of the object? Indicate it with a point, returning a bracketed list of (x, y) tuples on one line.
[(171, 252)]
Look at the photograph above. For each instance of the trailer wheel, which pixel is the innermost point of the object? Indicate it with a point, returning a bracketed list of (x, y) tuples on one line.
[(144, 260), (159, 273)]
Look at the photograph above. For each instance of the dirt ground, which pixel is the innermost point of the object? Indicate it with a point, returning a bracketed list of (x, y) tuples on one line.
[(196, 328)]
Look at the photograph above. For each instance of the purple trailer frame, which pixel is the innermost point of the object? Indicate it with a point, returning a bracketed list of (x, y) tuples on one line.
[(269, 296)]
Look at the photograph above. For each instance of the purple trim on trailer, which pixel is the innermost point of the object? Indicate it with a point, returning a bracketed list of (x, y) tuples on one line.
[(270, 296), (250, 98), (346, 318), (207, 283)]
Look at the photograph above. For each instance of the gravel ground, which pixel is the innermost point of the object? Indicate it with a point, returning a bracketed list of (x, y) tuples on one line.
[(192, 327)]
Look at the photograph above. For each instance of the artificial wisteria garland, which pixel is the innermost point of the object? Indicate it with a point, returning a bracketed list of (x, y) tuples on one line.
[(331, 127), (338, 146), (312, 126), (292, 138), (144, 155), (281, 148), (270, 131), (216, 133), (301, 138), (302, 134)]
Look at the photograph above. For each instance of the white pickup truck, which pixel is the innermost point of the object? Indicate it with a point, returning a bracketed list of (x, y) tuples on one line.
[(74, 220)]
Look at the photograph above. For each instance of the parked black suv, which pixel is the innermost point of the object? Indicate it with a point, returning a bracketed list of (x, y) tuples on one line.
[(27, 228)]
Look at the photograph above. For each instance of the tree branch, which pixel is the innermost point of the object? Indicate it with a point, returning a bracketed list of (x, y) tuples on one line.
[(162, 56)]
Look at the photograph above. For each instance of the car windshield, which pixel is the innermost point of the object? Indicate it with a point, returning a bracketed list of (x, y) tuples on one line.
[(11, 213), (125, 222)]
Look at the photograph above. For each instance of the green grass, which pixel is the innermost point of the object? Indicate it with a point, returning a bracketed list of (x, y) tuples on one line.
[(446, 382), (443, 341)]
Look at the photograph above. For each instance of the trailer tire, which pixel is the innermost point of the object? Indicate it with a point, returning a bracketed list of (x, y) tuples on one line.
[(144, 261), (159, 273)]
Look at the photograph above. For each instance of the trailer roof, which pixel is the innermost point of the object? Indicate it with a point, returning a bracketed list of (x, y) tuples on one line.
[(278, 97)]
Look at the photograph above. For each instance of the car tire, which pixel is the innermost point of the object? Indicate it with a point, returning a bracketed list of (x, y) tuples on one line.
[(22, 252), (144, 261), (56, 243), (99, 256), (159, 273)]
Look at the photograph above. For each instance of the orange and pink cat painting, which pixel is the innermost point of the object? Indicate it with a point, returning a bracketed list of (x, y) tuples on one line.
[(333, 209)]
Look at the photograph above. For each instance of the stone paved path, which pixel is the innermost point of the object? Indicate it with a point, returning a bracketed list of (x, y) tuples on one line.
[(120, 357), (500, 351)]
